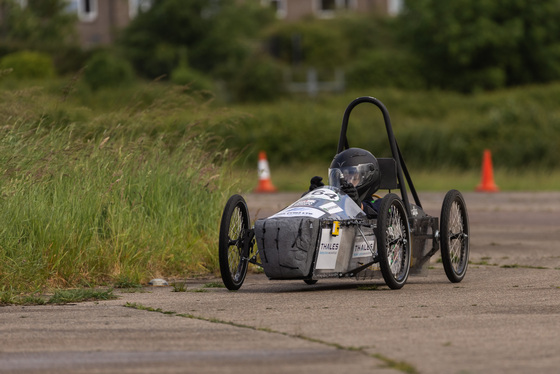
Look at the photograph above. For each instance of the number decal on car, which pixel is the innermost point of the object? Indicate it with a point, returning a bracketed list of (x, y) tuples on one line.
[(325, 194)]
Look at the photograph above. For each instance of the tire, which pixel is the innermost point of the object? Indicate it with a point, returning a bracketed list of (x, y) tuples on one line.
[(310, 282), (393, 239), (233, 227), (454, 234)]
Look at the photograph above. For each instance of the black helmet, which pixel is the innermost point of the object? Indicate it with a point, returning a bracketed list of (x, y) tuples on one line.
[(358, 167)]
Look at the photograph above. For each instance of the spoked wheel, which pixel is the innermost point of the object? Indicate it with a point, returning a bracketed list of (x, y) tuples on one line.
[(393, 237), (233, 234), (454, 228)]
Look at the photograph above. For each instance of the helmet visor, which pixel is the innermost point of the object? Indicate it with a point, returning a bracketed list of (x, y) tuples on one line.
[(356, 175)]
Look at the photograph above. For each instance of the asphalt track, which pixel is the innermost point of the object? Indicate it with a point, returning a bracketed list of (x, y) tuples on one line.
[(503, 318)]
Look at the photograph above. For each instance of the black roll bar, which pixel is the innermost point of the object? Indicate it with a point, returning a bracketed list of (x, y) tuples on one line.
[(401, 166)]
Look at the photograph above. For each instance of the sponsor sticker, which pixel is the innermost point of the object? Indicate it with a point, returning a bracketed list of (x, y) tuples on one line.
[(299, 212), (307, 202), (331, 208), (328, 250), (361, 248)]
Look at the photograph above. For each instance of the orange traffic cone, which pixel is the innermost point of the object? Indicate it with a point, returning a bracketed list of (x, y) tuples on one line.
[(265, 184), (487, 183)]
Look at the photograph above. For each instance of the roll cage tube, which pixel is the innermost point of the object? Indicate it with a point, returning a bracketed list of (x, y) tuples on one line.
[(401, 166)]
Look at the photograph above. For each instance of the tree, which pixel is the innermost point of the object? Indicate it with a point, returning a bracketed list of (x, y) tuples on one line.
[(217, 35), (311, 42), (42, 25), (484, 44)]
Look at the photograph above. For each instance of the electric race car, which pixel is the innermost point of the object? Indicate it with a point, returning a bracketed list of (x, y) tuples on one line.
[(326, 234)]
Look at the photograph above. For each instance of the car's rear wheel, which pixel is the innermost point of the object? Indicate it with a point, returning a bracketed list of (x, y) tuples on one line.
[(454, 227)]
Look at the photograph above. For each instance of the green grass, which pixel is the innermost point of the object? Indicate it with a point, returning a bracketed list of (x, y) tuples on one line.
[(59, 297), (97, 197), (80, 295), (125, 282), (214, 285), (179, 287), (517, 266)]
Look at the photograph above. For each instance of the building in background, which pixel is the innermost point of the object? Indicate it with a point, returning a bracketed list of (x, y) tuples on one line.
[(100, 20), (292, 10)]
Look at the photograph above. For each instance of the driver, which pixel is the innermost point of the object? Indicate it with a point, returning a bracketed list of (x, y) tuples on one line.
[(356, 172)]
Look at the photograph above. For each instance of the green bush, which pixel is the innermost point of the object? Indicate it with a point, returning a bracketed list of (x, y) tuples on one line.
[(185, 76), (195, 80), (70, 59), (385, 68), (316, 43), (434, 129), (259, 79), (28, 65), (365, 32), (107, 70)]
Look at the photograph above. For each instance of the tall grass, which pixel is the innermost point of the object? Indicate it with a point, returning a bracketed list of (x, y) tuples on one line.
[(90, 196)]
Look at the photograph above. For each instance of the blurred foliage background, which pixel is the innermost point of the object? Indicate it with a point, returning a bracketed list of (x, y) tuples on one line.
[(465, 46)]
